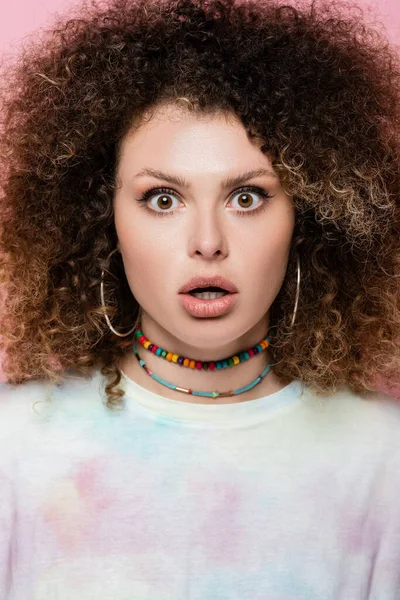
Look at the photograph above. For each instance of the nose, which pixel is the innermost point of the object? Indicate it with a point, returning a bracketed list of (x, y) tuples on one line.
[(208, 237)]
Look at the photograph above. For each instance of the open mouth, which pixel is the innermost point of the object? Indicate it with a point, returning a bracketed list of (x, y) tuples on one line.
[(208, 293), (208, 302)]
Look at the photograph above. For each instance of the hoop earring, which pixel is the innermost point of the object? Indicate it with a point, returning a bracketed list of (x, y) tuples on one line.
[(103, 304), (138, 319), (297, 292)]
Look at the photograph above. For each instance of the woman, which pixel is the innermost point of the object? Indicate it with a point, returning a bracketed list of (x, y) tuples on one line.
[(201, 255)]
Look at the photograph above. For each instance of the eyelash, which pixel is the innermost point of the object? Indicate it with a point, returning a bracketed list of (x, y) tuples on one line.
[(242, 213)]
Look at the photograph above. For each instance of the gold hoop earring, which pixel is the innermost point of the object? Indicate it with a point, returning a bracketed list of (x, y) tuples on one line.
[(103, 305), (297, 292)]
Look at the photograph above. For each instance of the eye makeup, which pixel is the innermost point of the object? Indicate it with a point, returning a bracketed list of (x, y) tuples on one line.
[(144, 200)]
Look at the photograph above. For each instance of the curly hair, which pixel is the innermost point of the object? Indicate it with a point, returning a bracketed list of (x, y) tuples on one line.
[(320, 89)]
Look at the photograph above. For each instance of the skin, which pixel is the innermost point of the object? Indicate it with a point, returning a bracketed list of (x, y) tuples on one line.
[(203, 233)]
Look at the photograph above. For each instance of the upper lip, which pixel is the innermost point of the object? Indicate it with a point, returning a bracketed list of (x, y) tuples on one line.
[(203, 281)]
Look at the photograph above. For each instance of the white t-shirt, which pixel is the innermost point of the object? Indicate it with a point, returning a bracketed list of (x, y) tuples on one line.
[(287, 497)]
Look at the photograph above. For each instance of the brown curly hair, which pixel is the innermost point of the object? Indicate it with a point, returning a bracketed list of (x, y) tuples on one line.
[(314, 83)]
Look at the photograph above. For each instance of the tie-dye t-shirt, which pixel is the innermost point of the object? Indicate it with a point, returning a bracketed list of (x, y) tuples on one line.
[(291, 496)]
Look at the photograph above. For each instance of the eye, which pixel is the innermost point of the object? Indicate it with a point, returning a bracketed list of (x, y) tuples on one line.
[(245, 198), (161, 200)]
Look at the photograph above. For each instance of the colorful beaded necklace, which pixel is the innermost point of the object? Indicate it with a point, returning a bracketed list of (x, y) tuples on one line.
[(222, 364), (198, 364)]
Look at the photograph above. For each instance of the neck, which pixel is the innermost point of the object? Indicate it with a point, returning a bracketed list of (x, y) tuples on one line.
[(221, 380)]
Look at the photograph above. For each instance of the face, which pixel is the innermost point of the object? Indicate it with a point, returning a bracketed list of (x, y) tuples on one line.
[(199, 223)]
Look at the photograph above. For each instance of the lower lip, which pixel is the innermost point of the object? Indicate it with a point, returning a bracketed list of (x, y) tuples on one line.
[(207, 308)]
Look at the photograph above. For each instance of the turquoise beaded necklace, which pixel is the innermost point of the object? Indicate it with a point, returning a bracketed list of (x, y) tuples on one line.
[(223, 364)]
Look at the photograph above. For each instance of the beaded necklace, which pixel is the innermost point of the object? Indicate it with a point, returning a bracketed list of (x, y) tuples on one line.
[(199, 364), (186, 362)]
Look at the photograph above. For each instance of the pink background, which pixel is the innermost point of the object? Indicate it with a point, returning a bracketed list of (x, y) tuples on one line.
[(20, 18)]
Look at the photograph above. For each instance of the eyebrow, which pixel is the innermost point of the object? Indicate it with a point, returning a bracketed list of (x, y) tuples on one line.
[(226, 183)]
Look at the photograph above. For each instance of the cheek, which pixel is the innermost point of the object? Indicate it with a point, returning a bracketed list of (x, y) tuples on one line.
[(144, 263), (277, 250), (147, 264), (140, 234), (278, 238), (265, 263)]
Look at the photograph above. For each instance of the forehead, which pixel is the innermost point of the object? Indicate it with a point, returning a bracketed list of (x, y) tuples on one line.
[(177, 135), (172, 120)]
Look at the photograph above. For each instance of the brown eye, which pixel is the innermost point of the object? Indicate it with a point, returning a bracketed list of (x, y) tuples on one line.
[(164, 201), (245, 200), (159, 201)]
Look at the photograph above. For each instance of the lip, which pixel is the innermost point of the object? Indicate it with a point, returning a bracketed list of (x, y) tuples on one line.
[(208, 308), (203, 281)]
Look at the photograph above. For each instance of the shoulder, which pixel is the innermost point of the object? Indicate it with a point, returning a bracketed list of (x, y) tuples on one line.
[(369, 417), (16, 416), (34, 402), (370, 405), (17, 401)]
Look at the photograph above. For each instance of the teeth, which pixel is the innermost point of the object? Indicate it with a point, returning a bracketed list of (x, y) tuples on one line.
[(208, 295)]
